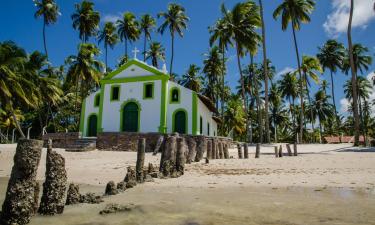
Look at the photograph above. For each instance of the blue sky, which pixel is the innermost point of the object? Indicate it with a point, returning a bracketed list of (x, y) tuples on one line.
[(327, 21)]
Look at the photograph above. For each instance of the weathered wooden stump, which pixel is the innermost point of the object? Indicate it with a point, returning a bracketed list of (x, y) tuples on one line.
[(18, 206), (121, 186), (209, 149), (226, 150), (150, 168), (192, 152), (239, 148), (281, 151), (111, 188), (257, 151), (245, 150), (295, 149), (276, 152), (73, 196), (130, 178), (180, 158), (54, 186), (140, 159), (36, 197), (158, 145), (201, 148), (168, 157), (289, 149), (214, 149), (221, 150)]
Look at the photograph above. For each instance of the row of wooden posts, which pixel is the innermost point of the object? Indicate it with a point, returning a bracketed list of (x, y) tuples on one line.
[(278, 150)]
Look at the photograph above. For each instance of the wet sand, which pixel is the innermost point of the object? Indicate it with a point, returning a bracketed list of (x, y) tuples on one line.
[(325, 184)]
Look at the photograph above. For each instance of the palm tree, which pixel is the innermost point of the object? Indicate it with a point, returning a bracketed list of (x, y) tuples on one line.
[(146, 26), (213, 69), (331, 56), (84, 71), (235, 116), (278, 112), (324, 87), (265, 70), (242, 22), (362, 60), (127, 29), (295, 12), (289, 89), (15, 87), (321, 109), (175, 20), (354, 76), (109, 37), (86, 20), (49, 10), (191, 79), (156, 52)]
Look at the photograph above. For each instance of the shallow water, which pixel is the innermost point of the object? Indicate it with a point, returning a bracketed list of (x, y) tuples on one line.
[(239, 205)]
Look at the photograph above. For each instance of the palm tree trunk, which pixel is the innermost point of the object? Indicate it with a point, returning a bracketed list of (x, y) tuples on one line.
[(18, 126), (309, 99), (222, 81), (320, 130), (126, 49), (106, 58), (242, 85), (144, 48), (172, 55), (362, 120), (265, 68), (300, 85), (44, 38), (293, 117), (333, 94), (354, 77)]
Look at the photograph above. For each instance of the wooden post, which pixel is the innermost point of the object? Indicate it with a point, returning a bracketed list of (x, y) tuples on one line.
[(221, 151), (226, 151), (281, 151), (257, 151), (239, 151), (209, 150), (180, 157), (192, 149), (276, 152), (295, 149), (214, 149), (245, 151), (201, 148), (289, 149), (140, 159)]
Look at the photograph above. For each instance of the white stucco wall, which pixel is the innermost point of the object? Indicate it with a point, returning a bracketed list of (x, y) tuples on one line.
[(150, 108), (206, 115), (185, 103), (90, 109)]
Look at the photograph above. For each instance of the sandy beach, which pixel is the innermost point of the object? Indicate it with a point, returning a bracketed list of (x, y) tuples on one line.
[(325, 184)]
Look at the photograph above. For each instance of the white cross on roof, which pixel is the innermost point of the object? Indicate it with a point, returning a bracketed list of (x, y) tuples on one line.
[(135, 51)]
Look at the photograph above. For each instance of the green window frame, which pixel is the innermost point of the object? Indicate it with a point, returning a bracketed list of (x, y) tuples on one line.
[(171, 95), (147, 94), (97, 100), (208, 128), (113, 88), (200, 125)]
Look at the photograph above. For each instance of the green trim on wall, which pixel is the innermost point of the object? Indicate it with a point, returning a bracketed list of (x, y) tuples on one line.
[(139, 64), (122, 110), (100, 116), (186, 120), (144, 90), (88, 124), (135, 79), (111, 93), (82, 119), (163, 107), (170, 95), (195, 113), (95, 100)]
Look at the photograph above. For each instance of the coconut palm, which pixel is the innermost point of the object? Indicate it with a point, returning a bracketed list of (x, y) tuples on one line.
[(156, 52), (128, 30), (109, 37), (213, 69), (49, 10), (192, 79), (321, 109), (289, 89), (278, 112), (147, 24), (175, 20), (15, 88), (84, 70), (86, 20), (295, 12), (324, 87), (235, 116), (331, 56), (362, 60)]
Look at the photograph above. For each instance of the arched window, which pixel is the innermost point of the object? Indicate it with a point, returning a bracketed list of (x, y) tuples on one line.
[(175, 95)]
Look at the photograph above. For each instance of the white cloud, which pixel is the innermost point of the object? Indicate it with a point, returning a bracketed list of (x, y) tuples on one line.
[(344, 103), (337, 20), (112, 17), (284, 71)]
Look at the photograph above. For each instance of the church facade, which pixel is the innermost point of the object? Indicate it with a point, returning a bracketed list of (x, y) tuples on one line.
[(138, 97)]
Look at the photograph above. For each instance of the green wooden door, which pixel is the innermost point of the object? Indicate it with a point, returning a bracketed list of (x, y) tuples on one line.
[(130, 117), (92, 126), (180, 122)]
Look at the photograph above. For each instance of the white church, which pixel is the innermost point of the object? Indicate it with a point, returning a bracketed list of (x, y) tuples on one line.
[(138, 97)]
